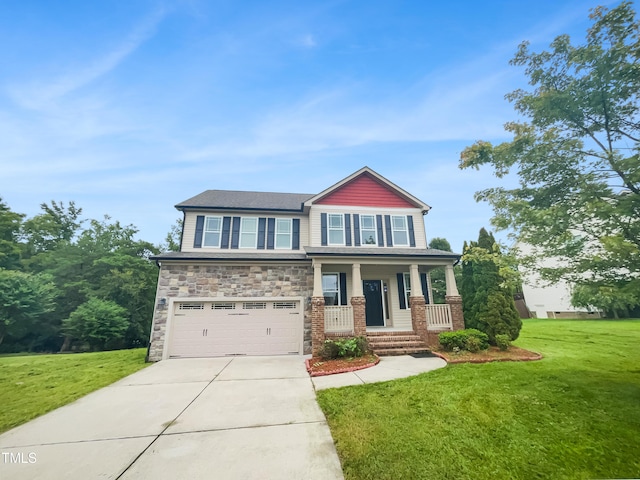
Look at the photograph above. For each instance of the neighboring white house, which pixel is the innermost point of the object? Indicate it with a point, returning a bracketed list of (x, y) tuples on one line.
[(549, 301)]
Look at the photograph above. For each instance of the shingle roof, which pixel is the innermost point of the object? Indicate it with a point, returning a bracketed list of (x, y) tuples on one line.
[(238, 200)]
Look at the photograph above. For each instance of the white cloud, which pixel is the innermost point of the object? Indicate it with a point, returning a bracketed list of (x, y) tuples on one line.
[(43, 95), (308, 41)]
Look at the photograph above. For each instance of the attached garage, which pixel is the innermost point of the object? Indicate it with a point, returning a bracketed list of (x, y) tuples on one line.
[(254, 326)]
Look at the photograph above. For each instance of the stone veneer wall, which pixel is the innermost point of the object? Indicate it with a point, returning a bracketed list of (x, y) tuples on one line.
[(185, 281)]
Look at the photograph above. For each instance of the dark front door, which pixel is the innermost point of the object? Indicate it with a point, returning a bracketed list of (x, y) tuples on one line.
[(373, 306)]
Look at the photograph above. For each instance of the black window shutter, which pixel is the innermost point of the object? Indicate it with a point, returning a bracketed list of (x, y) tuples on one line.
[(356, 229), (347, 229), (262, 225), (226, 230), (412, 235), (401, 296), (387, 223), (271, 233), (323, 228), (197, 241), (343, 288), (425, 290), (380, 236), (295, 240), (235, 232)]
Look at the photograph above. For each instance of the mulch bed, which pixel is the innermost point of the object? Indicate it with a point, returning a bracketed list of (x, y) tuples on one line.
[(318, 367), (493, 354)]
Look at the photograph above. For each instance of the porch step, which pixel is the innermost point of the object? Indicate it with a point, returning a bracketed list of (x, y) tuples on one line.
[(396, 343)]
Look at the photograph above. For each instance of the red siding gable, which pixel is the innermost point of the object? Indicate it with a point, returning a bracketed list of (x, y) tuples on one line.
[(365, 191)]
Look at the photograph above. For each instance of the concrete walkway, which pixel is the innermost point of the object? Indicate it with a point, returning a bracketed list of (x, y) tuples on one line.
[(389, 368), (217, 418)]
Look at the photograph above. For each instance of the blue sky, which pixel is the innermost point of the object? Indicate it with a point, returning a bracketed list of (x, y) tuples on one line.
[(128, 108)]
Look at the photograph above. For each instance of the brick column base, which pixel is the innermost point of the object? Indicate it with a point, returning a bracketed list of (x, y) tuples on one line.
[(317, 325), (457, 317), (359, 316), (419, 317)]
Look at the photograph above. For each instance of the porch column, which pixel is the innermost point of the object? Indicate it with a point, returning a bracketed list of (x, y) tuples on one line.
[(358, 302), (417, 304), (450, 280), (416, 284), (317, 311), (454, 299)]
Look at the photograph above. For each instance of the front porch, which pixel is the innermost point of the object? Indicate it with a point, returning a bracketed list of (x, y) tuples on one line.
[(387, 302), (338, 320)]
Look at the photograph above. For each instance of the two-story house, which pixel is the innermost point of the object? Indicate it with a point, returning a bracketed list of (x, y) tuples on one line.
[(278, 273)]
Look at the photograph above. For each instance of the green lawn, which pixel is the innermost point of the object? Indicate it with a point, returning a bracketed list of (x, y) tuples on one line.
[(36, 384), (574, 414)]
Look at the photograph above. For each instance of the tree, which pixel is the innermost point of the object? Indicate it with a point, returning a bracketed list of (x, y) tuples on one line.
[(438, 281), (10, 223), (616, 300), (173, 239), (57, 224), (25, 301), (577, 158), (100, 323), (486, 286)]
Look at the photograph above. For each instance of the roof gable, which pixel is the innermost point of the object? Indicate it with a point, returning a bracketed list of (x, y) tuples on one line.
[(366, 188)]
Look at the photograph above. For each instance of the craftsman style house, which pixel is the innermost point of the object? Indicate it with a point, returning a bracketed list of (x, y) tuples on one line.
[(278, 273)]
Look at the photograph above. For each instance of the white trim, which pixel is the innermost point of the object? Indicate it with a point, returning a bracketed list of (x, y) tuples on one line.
[(329, 229), (204, 231), (242, 221), (337, 274), (275, 234), (407, 293), (375, 231), (394, 230)]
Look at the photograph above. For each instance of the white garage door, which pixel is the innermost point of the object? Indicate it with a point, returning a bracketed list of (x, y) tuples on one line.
[(260, 327)]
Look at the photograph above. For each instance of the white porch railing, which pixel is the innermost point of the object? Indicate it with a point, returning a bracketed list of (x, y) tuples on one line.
[(439, 317), (338, 318)]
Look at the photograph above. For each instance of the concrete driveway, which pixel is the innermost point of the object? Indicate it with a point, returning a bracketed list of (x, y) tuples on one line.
[(218, 418)]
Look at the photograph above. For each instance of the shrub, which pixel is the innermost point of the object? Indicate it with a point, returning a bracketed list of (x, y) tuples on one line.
[(473, 344), (503, 341), (460, 339), (344, 347)]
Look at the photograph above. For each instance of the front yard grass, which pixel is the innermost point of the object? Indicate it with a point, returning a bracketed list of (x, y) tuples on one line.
[(575, 414), (36, 384)]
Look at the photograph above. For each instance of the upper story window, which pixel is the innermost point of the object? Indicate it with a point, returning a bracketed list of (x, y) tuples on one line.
[(399, 230), (283, 233), (212, 232), (368, 231), (248, 232), (336, 229)]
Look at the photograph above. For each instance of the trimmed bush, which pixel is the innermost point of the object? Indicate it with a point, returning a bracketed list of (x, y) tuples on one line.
[(460, 339), (503, 341), (344, 347)]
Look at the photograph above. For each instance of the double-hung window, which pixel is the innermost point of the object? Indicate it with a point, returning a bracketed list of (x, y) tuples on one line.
[(407, 288), (399, 230), (336, 228), (212, 231), (248, 232), (331, 288), (368, 232), (283, 233)]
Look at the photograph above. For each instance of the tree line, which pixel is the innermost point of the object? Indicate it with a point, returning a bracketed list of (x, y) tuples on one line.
[(67, 283)]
